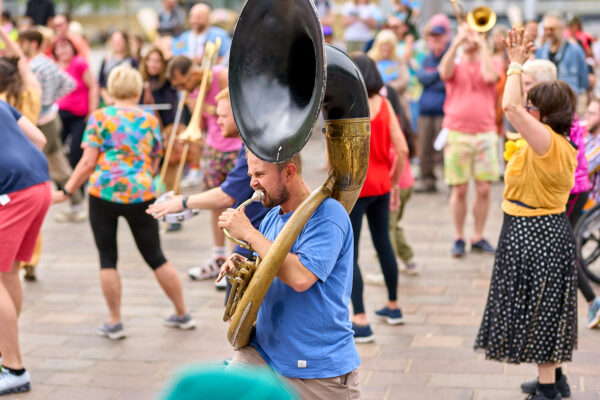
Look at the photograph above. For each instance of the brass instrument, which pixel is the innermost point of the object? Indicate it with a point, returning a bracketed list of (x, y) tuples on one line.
[(193, 133), (148, 19), (281, 76), (171, 143), (244, 270), (480, 19)]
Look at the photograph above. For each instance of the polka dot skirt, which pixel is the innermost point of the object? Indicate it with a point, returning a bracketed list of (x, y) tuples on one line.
[(531, 311)]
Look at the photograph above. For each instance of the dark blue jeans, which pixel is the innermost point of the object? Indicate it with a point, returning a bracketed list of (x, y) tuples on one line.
[(377, 210)]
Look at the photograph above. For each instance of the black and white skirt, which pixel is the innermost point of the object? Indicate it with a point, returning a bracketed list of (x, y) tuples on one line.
[(531, 311)]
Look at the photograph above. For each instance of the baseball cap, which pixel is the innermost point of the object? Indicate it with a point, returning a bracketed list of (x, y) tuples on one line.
[(438, 30), (440, 24)]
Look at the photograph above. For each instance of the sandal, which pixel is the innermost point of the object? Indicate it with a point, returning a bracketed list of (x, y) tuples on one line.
[(210, 270)]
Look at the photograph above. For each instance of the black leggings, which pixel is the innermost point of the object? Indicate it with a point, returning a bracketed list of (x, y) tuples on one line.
[(377, 210), (73, 127), (574, 210), (104, 217)]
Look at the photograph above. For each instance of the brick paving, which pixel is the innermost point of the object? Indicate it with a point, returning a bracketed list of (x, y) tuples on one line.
[(430, 357)]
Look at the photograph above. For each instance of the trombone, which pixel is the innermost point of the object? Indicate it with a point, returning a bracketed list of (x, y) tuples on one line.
[(193, 133), (171, 143), (480, 19)]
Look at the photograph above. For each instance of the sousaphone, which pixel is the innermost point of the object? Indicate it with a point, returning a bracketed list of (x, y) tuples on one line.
[(281, 75)]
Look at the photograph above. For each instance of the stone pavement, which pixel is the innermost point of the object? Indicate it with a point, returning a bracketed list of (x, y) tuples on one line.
[(430, 357)]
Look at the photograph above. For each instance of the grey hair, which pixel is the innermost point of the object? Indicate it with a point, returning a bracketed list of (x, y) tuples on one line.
[(555, 14), (542, 70)]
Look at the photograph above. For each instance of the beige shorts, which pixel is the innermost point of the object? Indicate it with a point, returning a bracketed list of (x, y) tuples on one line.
[(471, 156), (345, 387)]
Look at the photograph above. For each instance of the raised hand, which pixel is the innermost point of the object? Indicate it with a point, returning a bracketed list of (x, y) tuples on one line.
[(517, 49)]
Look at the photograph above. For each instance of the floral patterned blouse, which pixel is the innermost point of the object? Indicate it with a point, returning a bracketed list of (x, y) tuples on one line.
[(129, 140)]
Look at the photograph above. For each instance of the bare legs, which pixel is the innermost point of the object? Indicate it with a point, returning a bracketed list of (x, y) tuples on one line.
[(10, 306), (458, 206), (111, 289), (167, 277), (480, 208), (547, 373)]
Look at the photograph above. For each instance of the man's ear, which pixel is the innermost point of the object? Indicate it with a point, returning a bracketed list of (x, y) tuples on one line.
[(290, 170)]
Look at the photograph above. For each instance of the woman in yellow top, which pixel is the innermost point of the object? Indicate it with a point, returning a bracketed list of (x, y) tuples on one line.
[(18, 85), (531, 311)]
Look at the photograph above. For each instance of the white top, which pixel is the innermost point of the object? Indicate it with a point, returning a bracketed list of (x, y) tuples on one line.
[(359, 31)]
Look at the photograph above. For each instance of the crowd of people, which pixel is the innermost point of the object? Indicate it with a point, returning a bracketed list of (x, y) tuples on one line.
[(517, 105)]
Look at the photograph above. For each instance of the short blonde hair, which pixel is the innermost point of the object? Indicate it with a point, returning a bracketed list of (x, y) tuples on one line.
[(124, 82), (223, 95), (384, 36), (541, 70)]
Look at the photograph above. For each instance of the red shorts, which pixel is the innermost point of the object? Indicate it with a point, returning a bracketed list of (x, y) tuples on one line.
[(20, 222)]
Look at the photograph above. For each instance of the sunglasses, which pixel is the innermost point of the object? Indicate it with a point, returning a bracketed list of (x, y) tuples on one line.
[(530, 107)]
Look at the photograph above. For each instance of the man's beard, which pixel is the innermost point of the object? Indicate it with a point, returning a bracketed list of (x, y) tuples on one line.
[(275, 199), (200, 28), (593, 129)]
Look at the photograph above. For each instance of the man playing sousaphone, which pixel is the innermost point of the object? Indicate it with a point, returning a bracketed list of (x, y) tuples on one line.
[(303, 329)]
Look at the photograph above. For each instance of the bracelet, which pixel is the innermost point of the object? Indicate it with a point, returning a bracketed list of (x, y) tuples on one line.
[(65, 192), (512, 71), (515, 65), (184, 201)]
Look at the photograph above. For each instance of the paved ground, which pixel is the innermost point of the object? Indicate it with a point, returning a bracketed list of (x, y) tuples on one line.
[(430, 357)]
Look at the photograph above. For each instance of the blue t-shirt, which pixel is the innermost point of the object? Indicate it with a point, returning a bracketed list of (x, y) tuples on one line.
[(388, 69), (22, 165), (237, 185), (308, 335)]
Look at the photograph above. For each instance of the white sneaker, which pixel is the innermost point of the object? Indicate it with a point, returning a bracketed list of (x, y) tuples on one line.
[(186, 322), (207, 271), (192, 178), (375, 278), (222, 284), (71, 216), (10, 383), (409, 268)]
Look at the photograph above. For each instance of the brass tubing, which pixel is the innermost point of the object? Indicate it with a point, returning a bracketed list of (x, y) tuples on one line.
[(256, 197), (184, 153), (169, 150), (459, 11), (348, 148), (241, 325)]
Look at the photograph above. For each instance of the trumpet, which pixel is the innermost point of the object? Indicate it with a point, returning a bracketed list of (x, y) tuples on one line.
[(481, 19)]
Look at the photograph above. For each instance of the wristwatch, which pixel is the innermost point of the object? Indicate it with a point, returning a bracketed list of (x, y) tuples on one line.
[(65, 192), (184, 201)]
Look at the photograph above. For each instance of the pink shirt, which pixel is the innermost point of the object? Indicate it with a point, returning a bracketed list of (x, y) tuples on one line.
[(406, 179), (214, 138), (470, 101), (77, 101), (582, 180)]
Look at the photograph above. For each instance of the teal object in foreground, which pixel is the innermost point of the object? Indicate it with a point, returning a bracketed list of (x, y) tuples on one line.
[(213, 382)]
